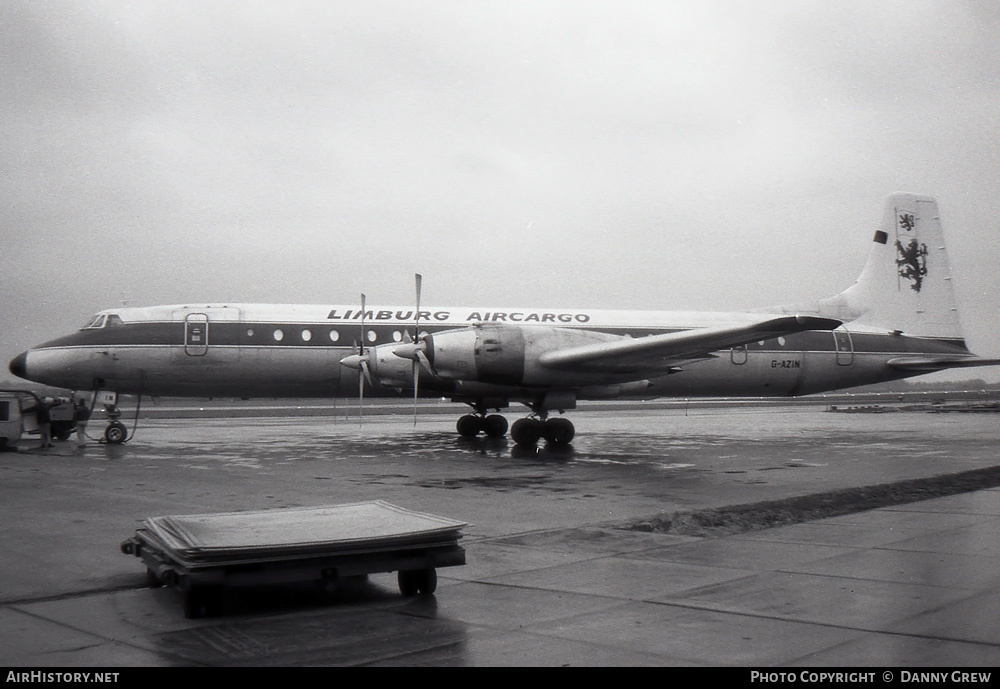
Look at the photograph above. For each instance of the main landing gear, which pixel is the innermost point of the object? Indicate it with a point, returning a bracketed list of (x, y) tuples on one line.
[(527, 431), (471, 425)]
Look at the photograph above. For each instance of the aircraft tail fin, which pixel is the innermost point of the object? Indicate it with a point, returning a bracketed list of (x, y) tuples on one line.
[(906, 284)]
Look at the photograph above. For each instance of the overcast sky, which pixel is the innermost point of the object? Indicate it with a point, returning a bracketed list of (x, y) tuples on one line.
[(665, 155)]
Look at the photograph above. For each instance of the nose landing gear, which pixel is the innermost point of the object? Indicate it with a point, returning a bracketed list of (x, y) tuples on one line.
[(116, 432)]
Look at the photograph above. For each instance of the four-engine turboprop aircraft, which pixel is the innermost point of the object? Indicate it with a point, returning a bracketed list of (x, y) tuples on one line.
[(898, 320)]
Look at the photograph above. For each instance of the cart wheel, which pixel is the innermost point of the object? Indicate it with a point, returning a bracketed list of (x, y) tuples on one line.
[(414, 581), (194, 604), (427, 581), (152, 581), (408, 582), (202, 602)]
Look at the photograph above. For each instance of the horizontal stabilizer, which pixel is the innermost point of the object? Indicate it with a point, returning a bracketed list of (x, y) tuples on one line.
[(657, 352), (938, 363)]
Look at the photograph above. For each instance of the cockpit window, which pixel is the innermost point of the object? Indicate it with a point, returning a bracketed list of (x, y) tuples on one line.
[(113, 319), (96, 322)]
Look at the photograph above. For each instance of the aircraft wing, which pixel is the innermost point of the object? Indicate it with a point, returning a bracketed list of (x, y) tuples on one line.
[(660, 353)]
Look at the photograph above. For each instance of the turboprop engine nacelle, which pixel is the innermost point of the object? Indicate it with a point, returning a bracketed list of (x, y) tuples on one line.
[(388, 368), (500, 354)]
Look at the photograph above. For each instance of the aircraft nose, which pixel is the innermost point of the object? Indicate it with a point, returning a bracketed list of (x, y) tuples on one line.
[(18, 365)]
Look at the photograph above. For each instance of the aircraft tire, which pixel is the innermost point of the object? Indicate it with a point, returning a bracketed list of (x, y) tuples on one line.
[(115, 433), (469, 426), (526, 431), (495, 426), (559, 431)]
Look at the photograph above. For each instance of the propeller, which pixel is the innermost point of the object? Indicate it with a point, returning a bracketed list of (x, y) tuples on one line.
[(359, 362), (418, 280), (415, 348), (418, 352)]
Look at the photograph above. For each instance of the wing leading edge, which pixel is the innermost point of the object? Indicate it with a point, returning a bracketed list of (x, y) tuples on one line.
[(659, 353)]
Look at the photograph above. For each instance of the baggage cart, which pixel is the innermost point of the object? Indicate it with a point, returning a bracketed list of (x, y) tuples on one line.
[(202, 555)]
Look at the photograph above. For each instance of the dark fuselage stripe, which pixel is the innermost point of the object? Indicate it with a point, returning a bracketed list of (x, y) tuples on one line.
[(236, 334)]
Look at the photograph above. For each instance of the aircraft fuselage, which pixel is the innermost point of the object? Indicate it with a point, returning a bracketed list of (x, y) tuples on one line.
[(220, 351)]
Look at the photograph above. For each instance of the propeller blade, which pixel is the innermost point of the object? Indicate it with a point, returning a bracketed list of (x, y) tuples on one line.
[(424, 361), (361, 397), (419, 280), (362, 363), (361, 347), (416, 390), (418, 283)]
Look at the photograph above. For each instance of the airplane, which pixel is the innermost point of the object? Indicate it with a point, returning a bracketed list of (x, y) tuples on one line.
[(899, 319)]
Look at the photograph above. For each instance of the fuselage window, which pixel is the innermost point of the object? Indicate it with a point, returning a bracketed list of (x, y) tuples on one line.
[(249, 332), (334, 336), (372, 335), (278, 335), (781, 341), (306, 335), (397, 336)]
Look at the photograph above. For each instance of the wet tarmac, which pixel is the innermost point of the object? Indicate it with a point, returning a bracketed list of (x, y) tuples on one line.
[(553, 576)]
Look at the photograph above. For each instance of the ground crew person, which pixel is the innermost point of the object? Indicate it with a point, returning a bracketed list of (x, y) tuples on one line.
[(81, 415), (44, 418)]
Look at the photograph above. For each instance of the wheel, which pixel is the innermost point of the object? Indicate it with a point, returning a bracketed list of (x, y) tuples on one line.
[(203, 602), (427, 581), (495, 426), (115, 433), (526, 431), (414, 581), (469, 426), (194, 604), (559, 431), (408, 584)]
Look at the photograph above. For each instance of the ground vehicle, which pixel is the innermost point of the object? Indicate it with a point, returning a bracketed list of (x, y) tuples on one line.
[(17, 416)]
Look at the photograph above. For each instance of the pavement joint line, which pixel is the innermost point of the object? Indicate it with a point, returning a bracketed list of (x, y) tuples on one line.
[(736, 519), (830, 625), (70, 595)]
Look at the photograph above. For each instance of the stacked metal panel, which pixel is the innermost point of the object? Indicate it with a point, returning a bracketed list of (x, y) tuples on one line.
[(204, 540)]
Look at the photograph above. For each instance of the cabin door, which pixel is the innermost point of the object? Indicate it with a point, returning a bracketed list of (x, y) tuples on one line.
[(196, 334), (845, 346), (199, 324)]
